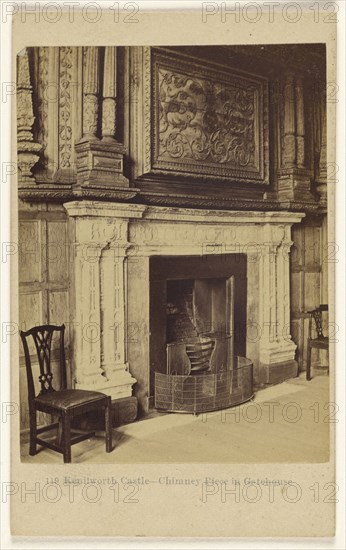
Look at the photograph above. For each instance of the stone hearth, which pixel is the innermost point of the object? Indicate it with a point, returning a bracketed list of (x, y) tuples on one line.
[(110, 277)]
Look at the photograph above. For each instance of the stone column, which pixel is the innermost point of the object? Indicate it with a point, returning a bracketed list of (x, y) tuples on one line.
[(321, 183), (99, 288), (90, 92), (28, 149), (294, 179), (300, 123), (109, 102), (289, 124), (113, 317), (100, 161), (86, 318), (277, 350)]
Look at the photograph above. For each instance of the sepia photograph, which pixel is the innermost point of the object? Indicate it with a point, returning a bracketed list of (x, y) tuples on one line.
[(173, 252), (174, 331)]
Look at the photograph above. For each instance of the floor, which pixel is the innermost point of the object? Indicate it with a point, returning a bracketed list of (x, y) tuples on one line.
[(284, 423)]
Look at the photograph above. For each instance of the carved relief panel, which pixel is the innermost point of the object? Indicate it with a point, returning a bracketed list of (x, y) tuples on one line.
[(199, 119)]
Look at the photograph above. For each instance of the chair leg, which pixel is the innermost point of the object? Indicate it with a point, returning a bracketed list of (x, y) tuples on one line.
[(59, 434), (108, 425), (66, 437), (308, 364), (33, 433)]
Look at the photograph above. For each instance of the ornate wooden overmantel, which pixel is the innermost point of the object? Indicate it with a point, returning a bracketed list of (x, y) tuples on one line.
[(208, 122), (80, 114)]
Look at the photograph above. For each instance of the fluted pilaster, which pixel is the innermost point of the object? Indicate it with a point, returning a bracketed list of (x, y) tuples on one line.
[(90, 91), (289, 143), (300, 123)]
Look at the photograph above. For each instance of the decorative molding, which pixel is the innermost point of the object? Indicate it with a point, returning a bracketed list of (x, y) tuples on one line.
[(60, 194), (42, 103), (97, 209), (65, 107), (115, 194), (147, 92), (225, 202)]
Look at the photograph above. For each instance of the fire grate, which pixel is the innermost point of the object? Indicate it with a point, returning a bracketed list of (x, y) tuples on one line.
[(207, 391)]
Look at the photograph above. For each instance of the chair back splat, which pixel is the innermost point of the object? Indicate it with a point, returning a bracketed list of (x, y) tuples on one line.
[(42, 336)]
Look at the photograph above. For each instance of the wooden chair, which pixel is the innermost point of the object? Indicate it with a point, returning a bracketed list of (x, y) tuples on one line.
[(321, 341), (66, 404)]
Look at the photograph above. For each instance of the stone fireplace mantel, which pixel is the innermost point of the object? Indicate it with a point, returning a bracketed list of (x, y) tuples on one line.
[(110, 278)]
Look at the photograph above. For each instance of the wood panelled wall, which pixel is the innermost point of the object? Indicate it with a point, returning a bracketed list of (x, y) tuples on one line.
[(309, 286), (44, 253)]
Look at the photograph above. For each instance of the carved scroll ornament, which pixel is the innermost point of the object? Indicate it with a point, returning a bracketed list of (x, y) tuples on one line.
[(204, 122)]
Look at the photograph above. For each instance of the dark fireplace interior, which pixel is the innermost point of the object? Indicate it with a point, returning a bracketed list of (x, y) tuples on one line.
[(194, 296)]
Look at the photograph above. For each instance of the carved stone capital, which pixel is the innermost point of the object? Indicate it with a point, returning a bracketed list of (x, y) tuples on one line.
[(28, 155)]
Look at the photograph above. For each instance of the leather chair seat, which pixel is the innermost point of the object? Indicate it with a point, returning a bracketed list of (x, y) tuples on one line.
[(65, 399)]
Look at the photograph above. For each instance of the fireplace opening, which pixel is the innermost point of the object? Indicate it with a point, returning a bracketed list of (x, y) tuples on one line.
[(197, 324)]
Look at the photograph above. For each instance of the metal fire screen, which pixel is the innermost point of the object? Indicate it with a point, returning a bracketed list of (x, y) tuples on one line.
[(227, 381)]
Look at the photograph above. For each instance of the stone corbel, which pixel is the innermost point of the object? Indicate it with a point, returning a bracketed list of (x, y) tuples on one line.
[(27, 149)]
